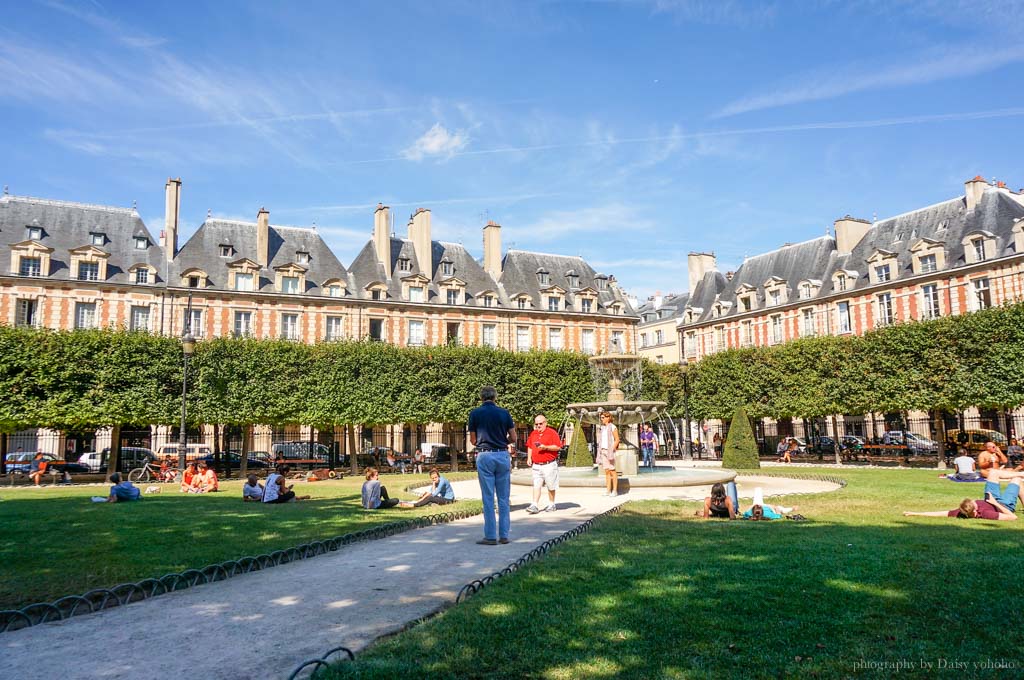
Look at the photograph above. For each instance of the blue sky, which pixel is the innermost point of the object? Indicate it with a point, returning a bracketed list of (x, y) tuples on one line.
[(630, 132)]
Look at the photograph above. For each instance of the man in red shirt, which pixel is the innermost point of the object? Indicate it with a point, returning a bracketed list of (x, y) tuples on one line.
[(542, 447)]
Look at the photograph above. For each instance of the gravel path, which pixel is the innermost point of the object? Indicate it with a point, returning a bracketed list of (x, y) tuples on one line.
[(300, 610)]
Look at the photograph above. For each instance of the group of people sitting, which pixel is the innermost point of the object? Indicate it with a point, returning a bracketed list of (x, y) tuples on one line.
[(998, 503), (275, 490), (724, 503), (201, 479), (786, 449), (375, 495)]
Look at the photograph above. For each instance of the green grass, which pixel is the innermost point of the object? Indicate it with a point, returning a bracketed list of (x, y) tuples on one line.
[(55, 542), (655, 593)]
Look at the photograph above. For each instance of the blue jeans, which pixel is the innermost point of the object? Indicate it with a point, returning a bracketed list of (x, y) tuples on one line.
[(1006, 498), (731, 492), (494, 471), (648, 452)]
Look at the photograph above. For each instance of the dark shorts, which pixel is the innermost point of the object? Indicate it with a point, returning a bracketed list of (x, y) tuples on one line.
[(286, 497)]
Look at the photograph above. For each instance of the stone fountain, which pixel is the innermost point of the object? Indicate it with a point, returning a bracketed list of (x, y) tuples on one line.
[(614, 368)]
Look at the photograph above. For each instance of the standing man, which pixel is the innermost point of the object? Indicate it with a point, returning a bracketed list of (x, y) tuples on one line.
[(493, 433), (542, 447), (648, 445)]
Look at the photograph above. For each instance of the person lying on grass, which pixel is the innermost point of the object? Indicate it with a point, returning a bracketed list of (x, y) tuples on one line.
[(767, 512), (718, 504), (122, 491), (971, 509)]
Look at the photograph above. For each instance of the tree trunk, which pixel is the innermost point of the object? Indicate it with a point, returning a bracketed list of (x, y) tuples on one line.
[(115, 450), (243, 463), (835, 440), (353, 455), (940, 431), (3, 453)]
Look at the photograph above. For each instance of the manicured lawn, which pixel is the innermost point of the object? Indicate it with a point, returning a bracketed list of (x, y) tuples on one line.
[(655, 593), (54, 542)]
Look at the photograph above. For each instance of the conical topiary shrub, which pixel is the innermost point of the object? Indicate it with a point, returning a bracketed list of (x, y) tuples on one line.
[(579, 454), (740, 451)]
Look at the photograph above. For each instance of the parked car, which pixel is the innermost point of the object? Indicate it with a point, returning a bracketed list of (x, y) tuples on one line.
[(975, 440), (915, 442), (131, 457), (300, 450), (192, 451), (23, 463), (235, 460), (846, 442)]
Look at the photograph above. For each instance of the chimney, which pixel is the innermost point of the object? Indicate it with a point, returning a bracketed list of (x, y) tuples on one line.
[(382, 236), (849, 232), (973, 189), (492, 249), (658, 299), (698, 265), (172, 212), (419, 234), (263, 237)]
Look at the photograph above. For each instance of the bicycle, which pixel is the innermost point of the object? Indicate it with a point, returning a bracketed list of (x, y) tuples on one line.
[(150, 472)]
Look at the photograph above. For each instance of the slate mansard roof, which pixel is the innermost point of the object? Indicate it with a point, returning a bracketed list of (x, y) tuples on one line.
[(202, 252), (817, 260), (519, 277), (671, 307), (66, 225)]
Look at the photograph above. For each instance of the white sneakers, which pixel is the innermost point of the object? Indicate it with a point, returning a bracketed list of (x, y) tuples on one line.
[(610, 494), (550, 508), (533, 509)]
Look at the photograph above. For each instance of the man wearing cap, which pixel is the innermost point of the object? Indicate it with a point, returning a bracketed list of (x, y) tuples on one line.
[(542, 447), (493, 433)]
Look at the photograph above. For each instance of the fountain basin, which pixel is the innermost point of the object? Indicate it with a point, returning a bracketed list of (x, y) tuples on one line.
[(625, 412), (660, 476)]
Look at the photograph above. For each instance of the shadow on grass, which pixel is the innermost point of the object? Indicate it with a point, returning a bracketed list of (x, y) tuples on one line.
[(647, 595), (53, 546)]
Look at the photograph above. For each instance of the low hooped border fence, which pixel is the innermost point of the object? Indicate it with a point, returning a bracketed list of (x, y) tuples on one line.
[(472, 587), (126, 593)]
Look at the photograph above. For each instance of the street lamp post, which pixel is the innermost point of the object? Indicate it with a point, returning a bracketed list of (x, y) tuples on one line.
[(188, 347), (686, 409)]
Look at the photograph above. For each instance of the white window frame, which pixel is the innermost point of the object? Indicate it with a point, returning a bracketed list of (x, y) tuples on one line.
[(554, 303), (844, 322), (556, 338), (142, 276), (88, 271), (885, 312), (930, 303), (523, 343), (929, 263), (241, 277), (808, 327), (290, 326), (195, 325), (242, 324), (588, 342), (981, 293), (417, 332), (452, 296), (778, 332), (415, 293), (134, 314), (26, 314), (335, 328), (86, 314), (141, 243), (489, 334), (290, 285)]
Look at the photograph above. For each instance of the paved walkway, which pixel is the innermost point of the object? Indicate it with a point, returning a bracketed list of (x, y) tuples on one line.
[(300, 610)]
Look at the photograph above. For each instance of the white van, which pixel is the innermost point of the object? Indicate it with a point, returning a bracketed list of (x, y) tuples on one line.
[(131, 458), (192, 451)]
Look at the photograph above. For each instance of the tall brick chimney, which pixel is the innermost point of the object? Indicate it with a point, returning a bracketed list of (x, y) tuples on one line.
[(419, 234), (973, 190), (699, 264), (172, 213), (382, 236), (263, 237), (849, 232), (492, 249)]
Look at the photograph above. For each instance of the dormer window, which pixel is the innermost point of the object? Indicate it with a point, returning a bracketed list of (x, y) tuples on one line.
[(554, 303), (243, 281), (543, 277), (773, 297), (522, 302), (141, 243), (927, 256), (302, 257), (601, 281), (841, 282), (415, 293), (404, 264), (572, 278), (928, 264), (34, 233), (97, 238), (334, 291), (488, 301), (452, 296), (883, 273), (141, 275), (446, 268), (30, 266), (290, 284), (586, 305), (193, 281), (979, 246), (376, 294), (226, 250), (775, 292)]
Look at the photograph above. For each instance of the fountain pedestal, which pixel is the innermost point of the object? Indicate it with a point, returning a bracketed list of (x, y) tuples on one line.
[(626, 462)]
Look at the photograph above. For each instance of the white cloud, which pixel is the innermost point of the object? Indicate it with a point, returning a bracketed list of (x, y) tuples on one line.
[(28, 73), (835, 82), (439, 142), (716, 12), (127, 36)]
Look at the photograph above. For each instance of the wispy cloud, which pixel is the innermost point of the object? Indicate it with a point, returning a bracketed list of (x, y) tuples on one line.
[(714, 12), (28, 73), (559, 224), (437, 142), (358, 207), (130, 37), (833, 83)]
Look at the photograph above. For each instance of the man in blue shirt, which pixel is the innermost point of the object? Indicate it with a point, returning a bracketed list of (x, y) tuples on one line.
[(122, 491), (441, 491), (493, 432)]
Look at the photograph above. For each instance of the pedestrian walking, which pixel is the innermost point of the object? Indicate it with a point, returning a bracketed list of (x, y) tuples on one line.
[(493, 433), (607, 443), (542, 447)]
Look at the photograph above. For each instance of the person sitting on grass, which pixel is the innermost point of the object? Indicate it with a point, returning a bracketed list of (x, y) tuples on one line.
[(207, 479), (252, 490), (122, 491), (718, 504), (440, 491), (188, 479), (971, 509), (965, 468), (375, 495), (276, 491)]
